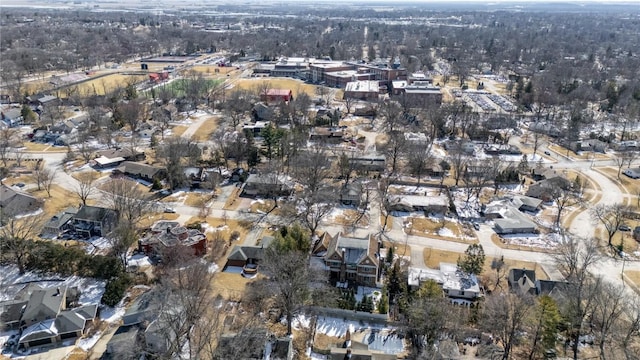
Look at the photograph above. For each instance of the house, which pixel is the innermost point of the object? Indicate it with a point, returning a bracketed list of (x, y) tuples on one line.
[(550, 287), (351, 194), (124, 344), (141, 171), (12, 116), (267, 185), (256, 344), (95, 221), (540, 173), (508, 219), (455, 147), (142, 309), (47, 317), (60, 222), (256, 128), (275, 96), (546, 190), (526, 203), (127, 154), (350, 259), (456, 285), (431, 202), (327, 134), (370, 162), (262, 112), (419, 94), (248, 257), (167, 234), (367, 90), (416, 140), (15, 202), (522, 281)]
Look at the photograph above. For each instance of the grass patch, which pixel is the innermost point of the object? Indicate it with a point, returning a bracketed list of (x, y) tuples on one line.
[(389, 222), (225, 228), (443, 229), (233, 200), (197, 199), (433, 258), (230, 286), (178, 130), (60, 199), (587, 155), (399, 248), (324, 343), (625, 183), (205, 130), (634, 277), (296, 86), (262, 206), (179, 87), (350, 217), (147, 221), (102, 85)]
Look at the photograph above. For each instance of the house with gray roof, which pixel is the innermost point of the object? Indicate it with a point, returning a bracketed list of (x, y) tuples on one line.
[(124, 344), (522, 281), (60, 222), (95, 221), (68, 324), (267, 185), (458, 286), (15, 202), (248, 257), (140, 171), (12, 116), (350, 259)]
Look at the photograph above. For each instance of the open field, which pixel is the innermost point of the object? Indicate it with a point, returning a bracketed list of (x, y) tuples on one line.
[(297, 86), (205, 130), (433, 258), (212, 70)]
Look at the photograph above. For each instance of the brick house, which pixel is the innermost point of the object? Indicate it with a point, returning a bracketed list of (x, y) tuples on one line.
[(349, 258)]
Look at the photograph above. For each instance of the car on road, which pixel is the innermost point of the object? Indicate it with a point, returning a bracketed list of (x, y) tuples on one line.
[(547, 152), (624, 227), (169, 211), (20, 185), (476, 226)]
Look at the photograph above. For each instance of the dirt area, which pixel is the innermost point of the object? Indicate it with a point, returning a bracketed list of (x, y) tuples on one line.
[(296, 86), (230, 285), (442, 229), (433, 258)]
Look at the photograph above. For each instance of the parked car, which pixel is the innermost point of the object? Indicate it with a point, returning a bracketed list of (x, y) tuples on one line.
[(169, 211), (624, 227), (476, 226), (547, 152)]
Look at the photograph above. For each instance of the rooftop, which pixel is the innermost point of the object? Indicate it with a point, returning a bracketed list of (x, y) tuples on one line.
[(363, 86)]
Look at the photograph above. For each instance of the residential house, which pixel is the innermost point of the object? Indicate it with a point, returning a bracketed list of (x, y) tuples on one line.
[(367, 90), (327, 134), (548, 189), (522, 281), (124, 344), (47, 317), (550, 287), (256, 128), (508, 219), (525, 203), (276, 96), (141, 171), (350, 259), (454, 147), (540, 173), (262, 112), (458, 286), (95, 221), (167, 234), (248, 257), (60, 222), (370, 162), (12, 116), (351, 194), (15, 202), (258, 345), (142, 309), (127, 154), (416, 140), (267, 185), (431, 202)]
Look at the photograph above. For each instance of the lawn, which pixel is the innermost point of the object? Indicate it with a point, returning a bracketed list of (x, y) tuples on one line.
[(634, 277), (146, 222), (103, 85), (586, 155), (229, 285), (178, 130), (205, 130), (625, 183), (224, 228), (60, 199), (179, 86), (262, 206), (197, 199), (349, 218), (399, 248), (440, 229), (433, 258), (297, 86), (233, 201), (210, 70)]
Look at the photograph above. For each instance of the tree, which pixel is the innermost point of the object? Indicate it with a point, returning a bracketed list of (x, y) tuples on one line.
[(611, 217), (473, 260), (544, 321), (426, 321), (85, 186), (575, 259), (505, 314), (288, 279), (565, 198), (43, 177), (625, 158), (8, 139), (124, 196), (271, 137), (16, 237), (236, 105), (608, 310)]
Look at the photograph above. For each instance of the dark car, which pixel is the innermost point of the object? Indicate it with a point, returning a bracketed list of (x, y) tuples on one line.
[(476, 226), (169, 211), (624, 227), (548, 153)]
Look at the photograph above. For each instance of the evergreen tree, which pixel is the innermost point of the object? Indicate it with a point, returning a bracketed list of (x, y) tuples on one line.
[(473, 259)]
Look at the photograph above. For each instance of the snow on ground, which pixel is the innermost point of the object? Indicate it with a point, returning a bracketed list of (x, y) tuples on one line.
[(5, 335), (113, 314), (445, 232), (87, 343), (546, 241), (206, 228), (139, 260), (336, 327), (37, 212)]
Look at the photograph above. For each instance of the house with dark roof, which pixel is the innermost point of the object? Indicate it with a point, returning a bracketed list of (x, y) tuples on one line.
[(95, 221), (351, 194), (140, 171), (248, 257), (123, 345), (267, 185), (127, 153), (522, 281), (550, 287), (16, 202), (60, 222), (548, 188), (350, 259)]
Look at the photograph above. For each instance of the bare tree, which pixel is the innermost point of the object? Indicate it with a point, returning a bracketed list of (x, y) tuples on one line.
[(505, 314), (8, 139), (16, 237), (124, 196), (86, 185), (575, 259), (565, 198), (625, 158), (608, 310), (626, 329), (611, 217), (43, 177)]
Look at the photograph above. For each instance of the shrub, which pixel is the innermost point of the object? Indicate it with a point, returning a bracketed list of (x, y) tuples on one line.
[(115, 289)]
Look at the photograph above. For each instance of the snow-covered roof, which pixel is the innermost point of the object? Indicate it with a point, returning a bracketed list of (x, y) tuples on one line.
[(40, 330)]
